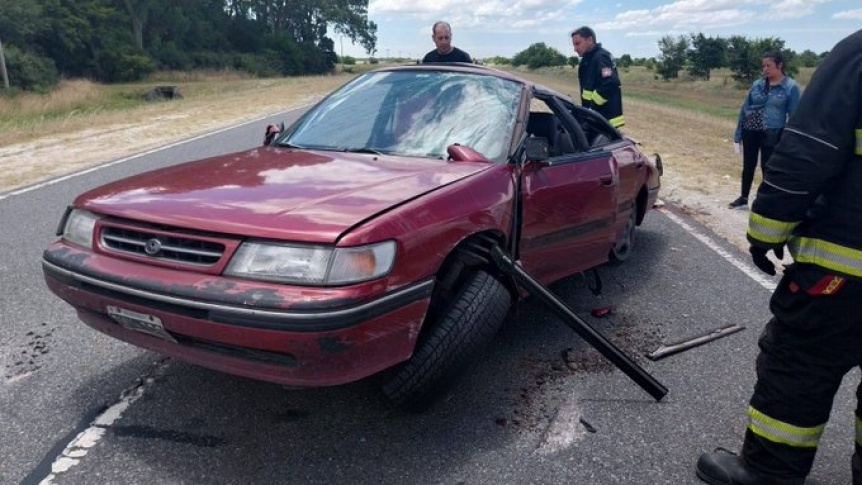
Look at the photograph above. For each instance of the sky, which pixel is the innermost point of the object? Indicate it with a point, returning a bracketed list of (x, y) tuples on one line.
[(487, 28)]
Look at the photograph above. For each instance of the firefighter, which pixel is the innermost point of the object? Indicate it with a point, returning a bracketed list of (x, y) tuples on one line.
[(810, 202), (597, 74)]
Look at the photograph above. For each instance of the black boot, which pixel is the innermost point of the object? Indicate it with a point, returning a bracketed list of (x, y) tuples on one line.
[(856, 466), (724, 468)]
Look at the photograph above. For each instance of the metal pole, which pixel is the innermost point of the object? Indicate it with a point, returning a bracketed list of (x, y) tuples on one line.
[(622, 361), (3, 67)]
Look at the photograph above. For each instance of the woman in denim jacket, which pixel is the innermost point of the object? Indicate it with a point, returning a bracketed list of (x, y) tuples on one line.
[(778, 95)]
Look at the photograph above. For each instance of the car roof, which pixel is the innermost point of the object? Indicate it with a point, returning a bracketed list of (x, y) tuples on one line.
[(476, 69)]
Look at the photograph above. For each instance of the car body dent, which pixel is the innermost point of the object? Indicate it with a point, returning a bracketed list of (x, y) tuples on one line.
[(274, 193)]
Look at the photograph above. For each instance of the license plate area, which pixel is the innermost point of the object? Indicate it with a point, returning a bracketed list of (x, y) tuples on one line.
[(140, 322)]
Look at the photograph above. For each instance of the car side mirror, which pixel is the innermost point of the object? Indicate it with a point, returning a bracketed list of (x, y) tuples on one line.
[(537, 149), (272, 130), (463, 153)]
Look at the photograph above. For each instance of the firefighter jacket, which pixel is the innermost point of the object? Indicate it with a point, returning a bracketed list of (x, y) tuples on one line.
[(811, 196), (600, 85)]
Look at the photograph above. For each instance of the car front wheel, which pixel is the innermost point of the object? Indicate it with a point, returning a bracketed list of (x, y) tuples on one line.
[(468, 324)]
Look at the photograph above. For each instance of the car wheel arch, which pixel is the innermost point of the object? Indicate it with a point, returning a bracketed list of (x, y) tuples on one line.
[(470, 254)]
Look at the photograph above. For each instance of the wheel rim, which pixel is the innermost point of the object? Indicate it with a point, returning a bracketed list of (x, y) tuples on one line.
[(624, 246)]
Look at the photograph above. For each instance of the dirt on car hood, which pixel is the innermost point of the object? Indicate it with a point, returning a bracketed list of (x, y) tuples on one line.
[(275, 193)]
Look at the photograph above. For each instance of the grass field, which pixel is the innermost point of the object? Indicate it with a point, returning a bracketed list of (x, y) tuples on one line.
[(76, 104)]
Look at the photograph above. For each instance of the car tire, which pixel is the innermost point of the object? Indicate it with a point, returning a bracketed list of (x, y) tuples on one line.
[(466, 327), (624, 247)]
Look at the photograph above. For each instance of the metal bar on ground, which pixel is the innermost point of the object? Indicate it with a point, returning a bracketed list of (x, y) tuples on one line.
[(582, 328), (675, 348)]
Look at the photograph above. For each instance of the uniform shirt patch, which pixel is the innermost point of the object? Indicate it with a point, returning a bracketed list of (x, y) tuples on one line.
[(607, 72)]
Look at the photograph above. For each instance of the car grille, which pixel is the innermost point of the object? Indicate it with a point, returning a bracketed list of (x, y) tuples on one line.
[(169, 248)]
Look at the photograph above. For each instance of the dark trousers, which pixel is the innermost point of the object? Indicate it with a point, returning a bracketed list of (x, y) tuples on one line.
[(805, 350), (755, 143)]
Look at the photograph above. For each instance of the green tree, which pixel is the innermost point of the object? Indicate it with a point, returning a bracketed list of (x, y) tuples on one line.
[(498, 60), (672, 57), (705, 54), (20, 21), (539, 55), (808, 58), (112, 40), (625, 61), (740, 59), (139, 11), (77, 31), (309, 20), (29, 71), (744, 57)]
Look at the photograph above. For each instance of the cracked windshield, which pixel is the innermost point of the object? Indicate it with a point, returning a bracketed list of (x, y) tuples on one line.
[(415, 113)]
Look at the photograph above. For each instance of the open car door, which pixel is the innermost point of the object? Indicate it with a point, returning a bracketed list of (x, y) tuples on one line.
[(569, 202)]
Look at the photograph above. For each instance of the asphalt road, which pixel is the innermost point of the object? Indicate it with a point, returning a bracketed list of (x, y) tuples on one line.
[(540, 407)]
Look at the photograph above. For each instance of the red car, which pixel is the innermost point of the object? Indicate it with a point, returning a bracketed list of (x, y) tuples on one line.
[(356, 243)]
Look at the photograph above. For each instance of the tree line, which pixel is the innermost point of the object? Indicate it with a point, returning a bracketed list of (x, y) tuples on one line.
[(699, 55), (124, 40), (695, 54)]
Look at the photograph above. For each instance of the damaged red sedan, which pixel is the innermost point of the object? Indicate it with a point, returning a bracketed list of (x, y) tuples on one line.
[(356, 243)]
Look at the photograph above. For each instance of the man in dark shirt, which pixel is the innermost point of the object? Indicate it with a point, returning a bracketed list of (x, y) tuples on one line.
[(441, 32)]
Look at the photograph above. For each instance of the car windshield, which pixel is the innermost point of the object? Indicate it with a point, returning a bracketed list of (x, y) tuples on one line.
[(413, 113)]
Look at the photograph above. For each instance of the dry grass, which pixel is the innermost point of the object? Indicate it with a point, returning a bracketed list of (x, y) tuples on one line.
[(80, 105), (102, 132), (66, 97)]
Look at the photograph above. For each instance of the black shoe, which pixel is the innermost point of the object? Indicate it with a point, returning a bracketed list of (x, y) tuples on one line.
[(739, 203), (723, 468)]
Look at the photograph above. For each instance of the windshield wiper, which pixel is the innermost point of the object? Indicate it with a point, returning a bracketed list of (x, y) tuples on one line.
[(372, 151), (287, 145)]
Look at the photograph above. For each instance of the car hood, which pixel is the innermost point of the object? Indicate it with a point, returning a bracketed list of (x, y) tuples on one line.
[(299, 195)]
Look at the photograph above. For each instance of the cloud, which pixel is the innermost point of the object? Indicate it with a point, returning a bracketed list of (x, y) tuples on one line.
[(490, 15), (682, 16), (794, 9), (504, 27), (849, 14)]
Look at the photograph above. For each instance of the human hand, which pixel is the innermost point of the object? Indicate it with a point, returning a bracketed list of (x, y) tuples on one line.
[(758, 256), (736, 148)]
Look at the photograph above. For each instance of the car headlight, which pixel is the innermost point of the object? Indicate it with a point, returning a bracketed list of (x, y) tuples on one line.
[(79, 226), (311, 265)]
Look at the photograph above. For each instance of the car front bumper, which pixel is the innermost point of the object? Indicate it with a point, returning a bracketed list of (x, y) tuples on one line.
[(290, 335)]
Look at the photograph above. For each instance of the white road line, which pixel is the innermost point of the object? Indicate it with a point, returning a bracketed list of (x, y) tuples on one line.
[(138, 155), (749, 271), (77, 449)]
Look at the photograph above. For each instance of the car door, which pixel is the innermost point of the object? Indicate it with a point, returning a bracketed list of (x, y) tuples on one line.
[(631, 165), (568, 206)]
